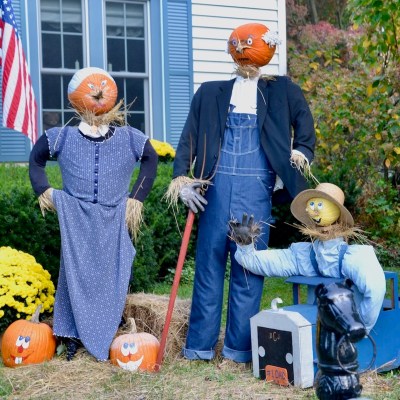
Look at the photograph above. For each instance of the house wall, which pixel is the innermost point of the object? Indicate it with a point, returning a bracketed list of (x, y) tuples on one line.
[(188, 47), (212, 24)]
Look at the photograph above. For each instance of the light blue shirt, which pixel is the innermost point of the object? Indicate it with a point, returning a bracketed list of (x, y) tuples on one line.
[(359, 264)]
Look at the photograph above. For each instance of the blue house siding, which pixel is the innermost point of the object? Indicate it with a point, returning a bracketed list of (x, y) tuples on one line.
[(179, 66)]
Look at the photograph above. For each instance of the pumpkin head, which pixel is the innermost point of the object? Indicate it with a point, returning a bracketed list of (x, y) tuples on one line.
[(135, 351), (252, 44), (27, 342), (92, 89)]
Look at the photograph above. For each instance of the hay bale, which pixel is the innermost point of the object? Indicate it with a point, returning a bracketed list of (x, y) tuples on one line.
[(149, 312)]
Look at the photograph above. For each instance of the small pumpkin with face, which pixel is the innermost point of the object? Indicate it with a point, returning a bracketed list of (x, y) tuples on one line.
[(135, 351), (92, 90), (27, 342), (252, 44)]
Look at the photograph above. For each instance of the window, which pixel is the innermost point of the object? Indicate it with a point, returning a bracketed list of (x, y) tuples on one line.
[(126, 56), (62, 54), (65, 49)]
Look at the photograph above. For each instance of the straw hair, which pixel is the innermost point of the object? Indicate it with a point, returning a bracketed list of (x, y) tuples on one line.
[(327, 191), (46, 202), (334, 231), (134, 216), (116, 115)]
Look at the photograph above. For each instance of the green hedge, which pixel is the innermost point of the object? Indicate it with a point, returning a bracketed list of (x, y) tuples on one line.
[(23, 227)]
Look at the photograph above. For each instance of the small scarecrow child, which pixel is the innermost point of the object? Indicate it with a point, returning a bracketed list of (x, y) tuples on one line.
[(236, 140), (95, 210), (330, 225)]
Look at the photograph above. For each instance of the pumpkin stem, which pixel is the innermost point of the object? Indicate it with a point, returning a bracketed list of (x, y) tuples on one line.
[(35, 315), (132, 323)]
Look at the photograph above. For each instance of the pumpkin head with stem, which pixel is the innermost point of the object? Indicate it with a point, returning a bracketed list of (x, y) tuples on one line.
[(252, 45), (135, 351), (28, 342), (92, 90)]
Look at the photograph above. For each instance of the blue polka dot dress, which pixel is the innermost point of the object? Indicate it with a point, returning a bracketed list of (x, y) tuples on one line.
[(96, 250)]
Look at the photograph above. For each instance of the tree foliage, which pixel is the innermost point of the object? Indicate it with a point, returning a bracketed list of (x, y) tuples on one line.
[(351, 80), (379, 24)]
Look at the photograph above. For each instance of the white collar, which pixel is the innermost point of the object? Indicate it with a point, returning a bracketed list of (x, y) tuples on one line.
[(93, 130), (240, 79)]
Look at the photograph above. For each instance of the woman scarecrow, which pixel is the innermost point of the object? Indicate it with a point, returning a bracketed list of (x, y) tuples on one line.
[(94, 208), (241, 134), (329, 225)]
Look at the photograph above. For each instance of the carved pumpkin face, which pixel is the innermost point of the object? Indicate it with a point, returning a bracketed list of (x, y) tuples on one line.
[(135, 351), (92, 89), (26, 342), (248, 45)]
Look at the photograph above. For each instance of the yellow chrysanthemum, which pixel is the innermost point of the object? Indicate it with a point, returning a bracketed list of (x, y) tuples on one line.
[(24, 284), (163, 149)]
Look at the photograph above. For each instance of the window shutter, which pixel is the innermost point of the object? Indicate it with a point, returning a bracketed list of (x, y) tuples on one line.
[(179, 63)]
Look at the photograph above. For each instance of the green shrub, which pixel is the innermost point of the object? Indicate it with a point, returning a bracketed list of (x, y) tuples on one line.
[(187, 275), (167, 224), (23, 227), (145, 266)]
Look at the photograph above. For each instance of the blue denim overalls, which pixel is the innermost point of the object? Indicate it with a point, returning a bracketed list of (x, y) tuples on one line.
[(243, 183)]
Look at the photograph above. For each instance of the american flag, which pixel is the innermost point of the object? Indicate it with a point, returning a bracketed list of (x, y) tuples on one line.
[(19, 104)]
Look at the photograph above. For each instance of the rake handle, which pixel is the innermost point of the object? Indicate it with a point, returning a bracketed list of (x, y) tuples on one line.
[(175, 285)]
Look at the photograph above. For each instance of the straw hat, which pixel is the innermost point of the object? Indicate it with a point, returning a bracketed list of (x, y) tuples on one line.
[(327, 191)]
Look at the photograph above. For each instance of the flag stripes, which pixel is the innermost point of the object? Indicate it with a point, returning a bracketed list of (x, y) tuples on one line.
[(19, 104)]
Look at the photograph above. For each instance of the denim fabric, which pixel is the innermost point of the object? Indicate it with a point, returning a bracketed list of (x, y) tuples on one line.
[(243, 183)]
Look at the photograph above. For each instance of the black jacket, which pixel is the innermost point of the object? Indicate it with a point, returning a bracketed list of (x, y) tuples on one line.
[(283, 116)]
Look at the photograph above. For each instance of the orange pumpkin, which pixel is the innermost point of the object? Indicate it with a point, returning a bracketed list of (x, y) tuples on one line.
[(249, 45), (27, 342), (92, 89), (135, 351)]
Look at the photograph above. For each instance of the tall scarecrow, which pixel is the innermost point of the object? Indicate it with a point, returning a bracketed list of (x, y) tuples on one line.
[(238, 137)]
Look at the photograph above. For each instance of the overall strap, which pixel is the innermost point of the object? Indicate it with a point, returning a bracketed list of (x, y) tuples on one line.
[(314, 263), (342, 252), (314, 260)]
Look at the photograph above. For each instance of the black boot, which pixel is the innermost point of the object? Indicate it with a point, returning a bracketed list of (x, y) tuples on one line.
[(72, 347)]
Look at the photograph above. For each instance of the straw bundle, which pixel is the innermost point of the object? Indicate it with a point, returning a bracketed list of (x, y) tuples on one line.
[(149, 312)]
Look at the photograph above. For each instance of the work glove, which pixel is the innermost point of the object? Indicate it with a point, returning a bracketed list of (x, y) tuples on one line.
[(190, 196), (245, 232)]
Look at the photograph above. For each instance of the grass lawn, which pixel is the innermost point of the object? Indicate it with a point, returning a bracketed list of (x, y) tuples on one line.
[(85, 378)]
